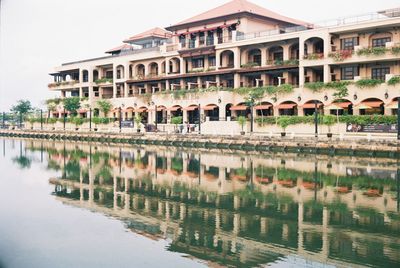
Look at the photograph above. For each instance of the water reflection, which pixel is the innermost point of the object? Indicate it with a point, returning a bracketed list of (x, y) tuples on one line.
[(238, 209)]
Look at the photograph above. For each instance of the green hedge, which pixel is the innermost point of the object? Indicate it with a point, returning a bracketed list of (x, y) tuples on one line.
[(285, 121)]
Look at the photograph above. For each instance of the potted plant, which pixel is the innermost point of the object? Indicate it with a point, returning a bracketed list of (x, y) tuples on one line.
[(176, 120), (242, 122), (138, 121), (329, 120), (283, 122)]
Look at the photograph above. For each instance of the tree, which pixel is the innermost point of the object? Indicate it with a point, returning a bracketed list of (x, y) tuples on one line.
[(104, 106), (22, 107), (72, 104), (242, 121), (138, 120)]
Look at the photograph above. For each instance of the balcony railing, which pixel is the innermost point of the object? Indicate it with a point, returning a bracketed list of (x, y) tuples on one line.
[(64, 83), (314, 56)]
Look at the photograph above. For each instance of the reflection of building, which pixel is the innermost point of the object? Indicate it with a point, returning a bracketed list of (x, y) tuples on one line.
[(225, 209), (242, 45)]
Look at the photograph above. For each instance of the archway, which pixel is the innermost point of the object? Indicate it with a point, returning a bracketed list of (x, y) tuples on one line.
[(254, 56), (140, 71), (309, 107), (212, 112), (227, 59), (314, 48), (120, 72), (371, 106), (288, 108), (264, 109), (153, 69)]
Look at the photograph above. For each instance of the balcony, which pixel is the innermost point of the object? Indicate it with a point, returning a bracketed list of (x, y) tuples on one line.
[(314, 56), (104, 81), (63, 85), (279, 62)]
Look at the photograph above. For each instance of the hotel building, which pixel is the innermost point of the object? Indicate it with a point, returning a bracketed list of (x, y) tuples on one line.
[(192, 68)]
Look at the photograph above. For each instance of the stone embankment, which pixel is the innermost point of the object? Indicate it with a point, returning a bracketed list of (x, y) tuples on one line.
[(310, 145)]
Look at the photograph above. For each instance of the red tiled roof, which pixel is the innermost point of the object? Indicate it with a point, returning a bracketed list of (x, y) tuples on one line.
[(155, 32), (235, 7), (119, 48)]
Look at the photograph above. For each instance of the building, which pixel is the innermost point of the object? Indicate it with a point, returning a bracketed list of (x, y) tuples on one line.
[(190, 69)]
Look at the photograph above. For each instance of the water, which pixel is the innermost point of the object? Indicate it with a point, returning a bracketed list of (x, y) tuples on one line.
[(91, 205)]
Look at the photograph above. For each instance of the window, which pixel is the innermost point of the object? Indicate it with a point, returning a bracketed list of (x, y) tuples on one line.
[(380, 73), (212, 61), (198, 63), (380, 42), (349, 43), (348, 73)]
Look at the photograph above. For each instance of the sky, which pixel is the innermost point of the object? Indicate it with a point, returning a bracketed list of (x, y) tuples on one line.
[(37, 35)]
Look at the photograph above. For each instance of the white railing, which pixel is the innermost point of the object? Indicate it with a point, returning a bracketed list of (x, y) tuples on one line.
[(384, 15), (374, 16)]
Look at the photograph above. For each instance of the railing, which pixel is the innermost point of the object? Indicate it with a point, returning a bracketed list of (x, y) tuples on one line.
[(329, 23), (375, 16)]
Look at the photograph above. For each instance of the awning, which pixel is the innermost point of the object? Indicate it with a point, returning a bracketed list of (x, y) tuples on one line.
[(129, 109), (393, 105), (238, 108), (287, 106), (263, 107), (191, 108), (372, 104), (311, 105), (141, 110), (82, 111), (159, 109), (334, 106), (344, 105), (210, 107), (175, 108), (363, 107)]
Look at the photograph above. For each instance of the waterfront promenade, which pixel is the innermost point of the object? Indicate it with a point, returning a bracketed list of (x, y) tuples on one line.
[(348, 144)]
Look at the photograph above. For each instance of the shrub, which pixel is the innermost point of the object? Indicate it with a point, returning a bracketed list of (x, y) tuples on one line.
[(77, 121), (363, 83), (341, 55), (100, 120), (395, 50), (394, 81), (242, 121), (177, 120), (372, 51), (250, 65), (315, 87)]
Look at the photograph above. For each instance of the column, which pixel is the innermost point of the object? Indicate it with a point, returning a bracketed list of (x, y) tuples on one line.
[(183, 65), (236, 80), (264, 57), (327, 75)]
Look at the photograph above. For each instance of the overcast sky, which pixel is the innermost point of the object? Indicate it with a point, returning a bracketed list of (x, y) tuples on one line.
[(37, 35)]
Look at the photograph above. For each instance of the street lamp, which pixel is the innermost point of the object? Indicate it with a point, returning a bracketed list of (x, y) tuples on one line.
[(316, 118), (199, 118), (41, 119), (398, 118), (64, 118), (119, 118), (90, 119)]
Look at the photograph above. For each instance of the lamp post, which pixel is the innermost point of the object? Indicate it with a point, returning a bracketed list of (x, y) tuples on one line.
[(64, 119), (120, 121), (316, 118), (90, 119), (199, 118), (398, 118), (41, 119), (4, 120), (251, 117), (155, 107)]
